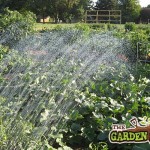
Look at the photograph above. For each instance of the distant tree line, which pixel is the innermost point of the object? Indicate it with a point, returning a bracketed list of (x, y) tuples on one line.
[(131, 9), (66, 10), (57, 9), (145, 15)]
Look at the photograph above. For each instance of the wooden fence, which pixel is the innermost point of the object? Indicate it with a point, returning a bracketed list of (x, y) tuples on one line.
[(103, 16)]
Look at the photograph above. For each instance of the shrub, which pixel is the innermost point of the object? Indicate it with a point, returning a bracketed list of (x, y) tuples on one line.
[(111, 26), (138, 37), (83, 27), (15, 25), (9, 17), (100, 26), (130, 26)]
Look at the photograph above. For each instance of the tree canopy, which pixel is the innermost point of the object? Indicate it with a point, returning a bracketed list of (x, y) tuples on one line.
[(148, 6), (107, 4), (130, 10), (145, 14), (62, 9), (66, 10)]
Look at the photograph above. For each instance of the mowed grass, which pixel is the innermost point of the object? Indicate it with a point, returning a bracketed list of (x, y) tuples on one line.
[(41, 26)]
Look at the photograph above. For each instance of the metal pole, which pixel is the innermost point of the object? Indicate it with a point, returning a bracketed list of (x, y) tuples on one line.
[(109, 16), (120, 16), (97, 16), (137, 56)]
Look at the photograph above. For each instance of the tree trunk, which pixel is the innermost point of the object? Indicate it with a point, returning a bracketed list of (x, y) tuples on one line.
[(56, 18)]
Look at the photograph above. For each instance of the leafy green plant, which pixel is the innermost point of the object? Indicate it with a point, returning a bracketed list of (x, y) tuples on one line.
[(100, 26), (3, 51), (82, 27), (109, 96), (9, 17), (130, 26), (16, 25), (102, 104)]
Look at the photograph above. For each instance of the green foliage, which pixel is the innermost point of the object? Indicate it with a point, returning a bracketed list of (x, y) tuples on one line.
[(25, 130), (14, 5), (82, 27), (66, 10), (145, 15), (68, 6), (107, 5), (111, 27), (130, 26), (103, 103), (16, 25), (9, 17), (3, 51), (99, 104), (138, 37), (130, 10), (100, 26), (99, 146), (143, 70)]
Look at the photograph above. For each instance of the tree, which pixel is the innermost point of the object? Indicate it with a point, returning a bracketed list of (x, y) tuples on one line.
[(22, 5), (69, 9), (57, 9), (148, 6), (106, 5), (39, 7), (14, 5), (77, 9), (68, 6), (145, 14), (130, 10)]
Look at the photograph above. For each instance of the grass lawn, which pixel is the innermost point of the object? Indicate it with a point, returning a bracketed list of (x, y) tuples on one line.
[(40, 26)]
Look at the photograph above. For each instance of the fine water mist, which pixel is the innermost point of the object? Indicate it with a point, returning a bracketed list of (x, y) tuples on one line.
[(43, 71)]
